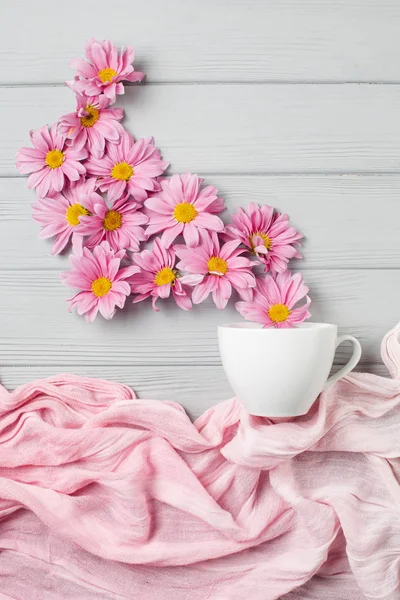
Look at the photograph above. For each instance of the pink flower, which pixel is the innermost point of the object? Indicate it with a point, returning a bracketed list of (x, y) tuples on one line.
[(182, 208), (60, 215), (92, 124), (119, 225), (50, 162), (217, 270), (104, 69), (158, 277), (274, 299), (102, 282), (128, 167), (267, 234)]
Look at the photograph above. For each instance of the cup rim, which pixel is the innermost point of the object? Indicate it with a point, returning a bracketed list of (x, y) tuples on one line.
[(250, 326)]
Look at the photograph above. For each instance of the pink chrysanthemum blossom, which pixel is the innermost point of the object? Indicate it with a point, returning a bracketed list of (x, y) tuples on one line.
[(50, 162), (60, 215), (120, 225), (102, 282), (128, 168), (159, 277), (92, 124), (104, 69), (181, 207), (274, 299), (216, 269), (267, 234)]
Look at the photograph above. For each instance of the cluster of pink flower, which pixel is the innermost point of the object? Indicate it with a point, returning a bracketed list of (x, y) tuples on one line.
[(97, 188)]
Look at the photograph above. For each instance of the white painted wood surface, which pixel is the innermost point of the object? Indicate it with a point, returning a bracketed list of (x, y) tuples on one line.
[(235, 128), (209, 40), (264, 102), (312, 201)]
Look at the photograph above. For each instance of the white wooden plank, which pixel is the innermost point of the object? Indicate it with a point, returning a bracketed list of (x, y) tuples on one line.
[(196, 388), (215, 40), (36, 328), (348, 221), (237, 128)]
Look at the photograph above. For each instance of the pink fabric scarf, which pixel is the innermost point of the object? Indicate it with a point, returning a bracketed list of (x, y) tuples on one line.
[(105, 496)]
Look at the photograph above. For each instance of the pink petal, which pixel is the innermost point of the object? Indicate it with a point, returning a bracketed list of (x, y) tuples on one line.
[(126, 272), (43, 185), (228, 248), (159, 206), (169, 235), (191, 234), (60, 242), (121, 287), (220, 300), (106, 306), (191, 279), (241, 280), (191, 187), (140, 298), (271, 290), (298, 315), (136, 76), (183, 302), (240, 262), (201, 291), (83, 67), (176, 188), (164, 290), (36, 178), (116, 190), (54, 228), (246, 294), (207, 221), (99, 56), (225, 287), (153, 302), (253, 312), (294, 290)]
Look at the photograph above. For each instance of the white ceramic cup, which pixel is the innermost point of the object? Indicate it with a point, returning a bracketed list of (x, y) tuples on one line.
[(281, 372)]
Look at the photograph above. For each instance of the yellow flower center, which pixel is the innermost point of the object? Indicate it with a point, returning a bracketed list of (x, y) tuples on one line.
[(185, 212), (101, 286), (74, 212), (166, 275), (217, 266), (122, 171), (54, 159), (93, 115), (112, 220), (253, 243), (278, 313), (106, 75)]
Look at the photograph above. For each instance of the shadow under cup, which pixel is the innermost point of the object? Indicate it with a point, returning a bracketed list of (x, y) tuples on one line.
[(281, 372)]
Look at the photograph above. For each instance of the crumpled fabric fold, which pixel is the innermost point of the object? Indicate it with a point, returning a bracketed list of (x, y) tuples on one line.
[(106, 496)]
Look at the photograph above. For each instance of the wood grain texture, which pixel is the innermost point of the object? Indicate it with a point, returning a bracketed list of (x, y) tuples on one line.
[(355, 209), (36, 328), (236, 129), (211, 40), (195, 388)]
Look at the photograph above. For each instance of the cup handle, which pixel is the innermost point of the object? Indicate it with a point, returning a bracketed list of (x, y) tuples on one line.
[(354, 359)]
